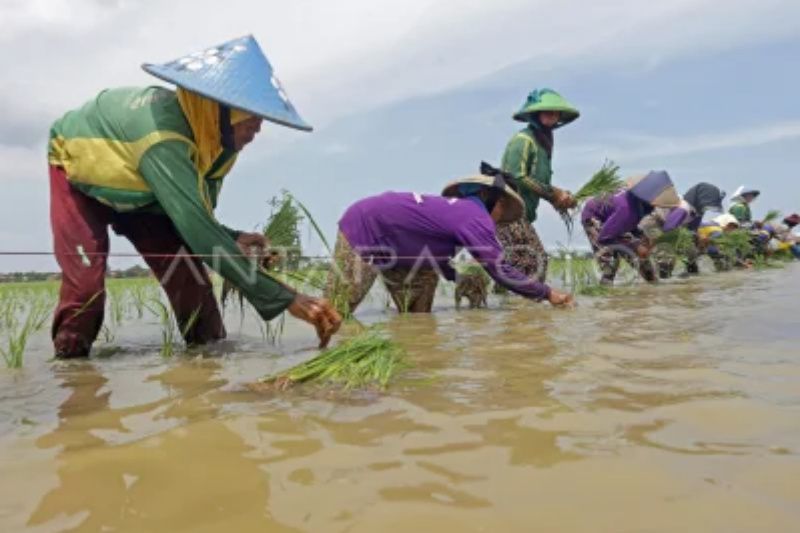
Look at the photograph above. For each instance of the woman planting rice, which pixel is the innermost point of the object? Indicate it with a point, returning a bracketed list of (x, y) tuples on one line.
[(697, 201), (740, 204), (408, 239), (612, 224), (150, 163), (528, 157)]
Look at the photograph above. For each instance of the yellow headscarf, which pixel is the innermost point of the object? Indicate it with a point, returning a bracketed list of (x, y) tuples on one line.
[(203, 116)]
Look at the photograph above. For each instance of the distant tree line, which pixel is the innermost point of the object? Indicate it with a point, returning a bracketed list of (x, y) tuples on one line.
[(136, 271)]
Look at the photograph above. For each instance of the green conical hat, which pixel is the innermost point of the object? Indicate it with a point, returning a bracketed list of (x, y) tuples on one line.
[(546, 100)]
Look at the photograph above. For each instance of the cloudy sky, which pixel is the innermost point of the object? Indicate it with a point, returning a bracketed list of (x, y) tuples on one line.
[(406, 95)]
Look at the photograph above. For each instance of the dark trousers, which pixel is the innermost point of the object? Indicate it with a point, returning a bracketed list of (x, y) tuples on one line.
[(80, 239)]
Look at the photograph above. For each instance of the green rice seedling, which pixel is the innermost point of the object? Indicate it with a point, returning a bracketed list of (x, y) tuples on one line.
[(193, 318), (771, 216), (595, 290), (17, 340), (368, 360), (735, 245), (604, 182), (312, 221), (106, 335), (761, 262), (677, 243), (138, 298), (116, 307), (164, 314)]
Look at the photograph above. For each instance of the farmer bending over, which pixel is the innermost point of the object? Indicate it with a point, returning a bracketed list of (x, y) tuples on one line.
[(409, 239), (150, 163)]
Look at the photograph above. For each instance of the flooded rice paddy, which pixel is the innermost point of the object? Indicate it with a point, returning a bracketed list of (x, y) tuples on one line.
[(666, 408)]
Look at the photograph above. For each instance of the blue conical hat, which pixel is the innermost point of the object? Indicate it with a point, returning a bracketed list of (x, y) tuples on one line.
[(237, 74)]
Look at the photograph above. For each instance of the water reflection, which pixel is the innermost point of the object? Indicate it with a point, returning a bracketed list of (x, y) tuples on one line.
[(134, 486)]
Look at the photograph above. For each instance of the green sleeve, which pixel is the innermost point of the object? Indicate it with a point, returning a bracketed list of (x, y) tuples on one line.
[(168, 170), (740, 212), (233, 233), (519, 160)]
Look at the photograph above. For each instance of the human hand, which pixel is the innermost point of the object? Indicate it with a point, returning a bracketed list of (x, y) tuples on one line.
[(252, 244), (560, 299), (563, 200), (319, 313), (643, 250)]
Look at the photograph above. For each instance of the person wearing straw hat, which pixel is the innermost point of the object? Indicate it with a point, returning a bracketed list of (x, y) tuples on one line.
[(696, 202), (150, 163), (783, 240), (409, 239), (612, 224), (740, 204), (710, 232), (528, 157)]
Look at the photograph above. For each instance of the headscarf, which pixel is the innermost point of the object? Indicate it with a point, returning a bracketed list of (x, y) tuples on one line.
[(703, 197), (543, 135), (726, 220), (203, 115), (792, 220)]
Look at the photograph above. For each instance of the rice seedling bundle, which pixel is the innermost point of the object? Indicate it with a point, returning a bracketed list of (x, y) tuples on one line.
[(676, 243), (282, 230), (604, 182), (368, 360), (735, 244), (771, 216)]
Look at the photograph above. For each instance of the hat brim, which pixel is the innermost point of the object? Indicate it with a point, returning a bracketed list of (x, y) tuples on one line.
[(661, 194), (236, 74), (568, 114), (295, 124), (513, 205)]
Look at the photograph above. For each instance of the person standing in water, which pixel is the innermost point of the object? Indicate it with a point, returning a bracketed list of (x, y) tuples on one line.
[(149, 162), (697, 201), (740, 204), (528, 158), (612, 224)]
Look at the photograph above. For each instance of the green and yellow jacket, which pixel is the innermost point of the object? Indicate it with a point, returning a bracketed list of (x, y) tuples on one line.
[(530, 165), (131, 149), (741, 211)]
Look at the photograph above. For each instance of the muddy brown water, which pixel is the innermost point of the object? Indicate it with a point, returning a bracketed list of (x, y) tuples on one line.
[(668, 408)]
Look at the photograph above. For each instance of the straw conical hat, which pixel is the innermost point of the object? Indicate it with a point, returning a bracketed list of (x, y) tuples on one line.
[(237, 74), (513, 208), (655, 188), (546, 100), (741, 191)]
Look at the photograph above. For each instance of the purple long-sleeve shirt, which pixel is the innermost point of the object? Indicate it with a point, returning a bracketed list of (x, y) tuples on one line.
[(617, 214), (681, 216), (406, 230)]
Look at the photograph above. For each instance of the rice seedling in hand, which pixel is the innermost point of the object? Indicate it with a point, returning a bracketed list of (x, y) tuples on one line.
[(368, 360), (282, 231), (604, 182)]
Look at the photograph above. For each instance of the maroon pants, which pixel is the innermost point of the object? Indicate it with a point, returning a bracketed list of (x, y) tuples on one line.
[(80, 238)]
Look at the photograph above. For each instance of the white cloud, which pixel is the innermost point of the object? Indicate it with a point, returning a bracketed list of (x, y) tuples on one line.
[(337, 58), (638, 147), (22, 163), (340, 58)]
